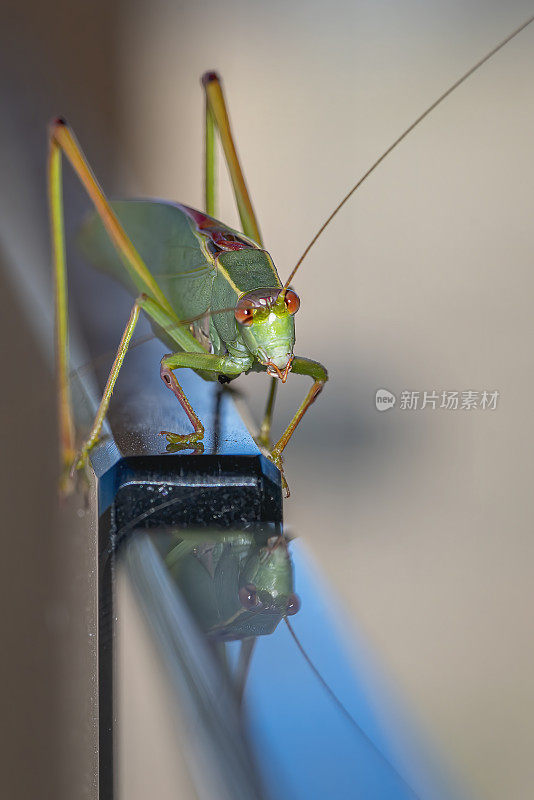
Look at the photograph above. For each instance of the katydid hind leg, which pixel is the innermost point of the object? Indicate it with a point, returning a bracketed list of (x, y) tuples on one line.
[(55, 199), (210, 161), (152, 300), (217, 115), (62, 141)]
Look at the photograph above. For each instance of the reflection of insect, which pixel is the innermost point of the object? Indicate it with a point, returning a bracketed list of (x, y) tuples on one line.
[(237, 585), (211, 293)]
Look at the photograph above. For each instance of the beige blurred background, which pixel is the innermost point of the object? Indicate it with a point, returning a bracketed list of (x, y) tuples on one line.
[(420, 520)]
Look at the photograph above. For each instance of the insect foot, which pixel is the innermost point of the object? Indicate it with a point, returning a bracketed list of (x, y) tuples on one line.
[(81, 459), (278, 461), (264, 438), (197, 448), (66, 482), (184, 439)]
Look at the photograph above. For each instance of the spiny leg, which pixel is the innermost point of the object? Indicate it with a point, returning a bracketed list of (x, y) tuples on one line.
[(218, 113), (210, 161), (169, 379), (216, 116), (62, 140), (264, 437), (315, 370), (203, 361), (55, 197)]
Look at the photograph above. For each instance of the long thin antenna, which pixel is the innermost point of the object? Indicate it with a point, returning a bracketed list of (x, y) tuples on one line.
[(344, 710), (403, 136)]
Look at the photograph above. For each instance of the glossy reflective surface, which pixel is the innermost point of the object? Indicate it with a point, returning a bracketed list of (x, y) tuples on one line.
[(317, 723), (270, 715), (142, 407)]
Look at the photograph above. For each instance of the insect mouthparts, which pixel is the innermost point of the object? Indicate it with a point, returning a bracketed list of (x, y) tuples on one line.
[(275, 372)]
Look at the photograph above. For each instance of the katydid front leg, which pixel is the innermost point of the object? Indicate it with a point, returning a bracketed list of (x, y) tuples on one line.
[(315, 370), (222, 365)]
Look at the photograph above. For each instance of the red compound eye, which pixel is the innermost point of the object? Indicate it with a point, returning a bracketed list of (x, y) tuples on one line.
[(248, 597), (243, 315), (293, 605), (292, 301)]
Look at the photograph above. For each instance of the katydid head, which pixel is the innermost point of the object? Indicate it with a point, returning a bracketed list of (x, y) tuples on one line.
[(267, 327), (266, 581), (237, 585)]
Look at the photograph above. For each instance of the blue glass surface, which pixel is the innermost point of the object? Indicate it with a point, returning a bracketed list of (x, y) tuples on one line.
[(347, 738)]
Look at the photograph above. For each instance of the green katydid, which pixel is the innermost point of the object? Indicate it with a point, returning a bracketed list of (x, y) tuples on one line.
[(237, 585), (212, 293), (224, 275)]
